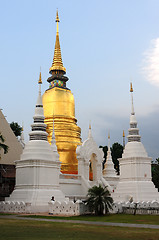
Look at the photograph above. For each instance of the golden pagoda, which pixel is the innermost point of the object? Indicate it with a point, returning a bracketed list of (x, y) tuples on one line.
[(58, 103)]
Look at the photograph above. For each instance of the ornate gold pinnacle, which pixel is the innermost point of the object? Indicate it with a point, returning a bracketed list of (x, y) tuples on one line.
[(131, 88), (57, 60), (57, 16), (40, 80), (123, 133)]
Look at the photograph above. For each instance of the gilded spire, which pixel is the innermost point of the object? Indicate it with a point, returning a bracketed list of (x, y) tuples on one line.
[(123, 133), (57, 16), (57, 64), (131, 88), (132, 102), (40, 80)]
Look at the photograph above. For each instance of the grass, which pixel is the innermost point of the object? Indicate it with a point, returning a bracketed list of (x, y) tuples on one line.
[(118, 218), (34, 230)]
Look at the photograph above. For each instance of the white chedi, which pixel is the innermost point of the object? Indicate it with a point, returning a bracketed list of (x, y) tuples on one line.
[(38, 170), (109, 173), (135, 182)]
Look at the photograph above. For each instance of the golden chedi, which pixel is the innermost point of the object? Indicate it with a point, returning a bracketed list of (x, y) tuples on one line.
[(58, 103)]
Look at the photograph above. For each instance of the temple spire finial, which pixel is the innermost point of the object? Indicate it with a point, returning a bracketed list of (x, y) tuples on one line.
[(123, 139), (123, 133), (89, 124), (132, 103), (131, 88), (57, 21), (40, 82), (57, 65), (109, 141), (90, 132), (40, 79)]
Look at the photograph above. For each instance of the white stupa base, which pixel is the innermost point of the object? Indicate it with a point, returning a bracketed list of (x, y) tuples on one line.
[(35, 200), (136, 191)]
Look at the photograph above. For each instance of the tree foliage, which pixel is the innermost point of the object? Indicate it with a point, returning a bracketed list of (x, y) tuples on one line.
[(105, 149), (2, 145), (117, 151), (155, 173), (99, 198), (16, 128)]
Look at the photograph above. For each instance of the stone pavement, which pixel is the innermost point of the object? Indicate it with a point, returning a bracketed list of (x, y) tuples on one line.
[(131, 225)]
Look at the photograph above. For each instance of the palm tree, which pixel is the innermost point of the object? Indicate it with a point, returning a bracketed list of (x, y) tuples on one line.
[(99, 198), (2, 145)]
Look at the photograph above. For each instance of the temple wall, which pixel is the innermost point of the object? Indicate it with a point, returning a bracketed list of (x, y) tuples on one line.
[(53, 208), (151, 208)]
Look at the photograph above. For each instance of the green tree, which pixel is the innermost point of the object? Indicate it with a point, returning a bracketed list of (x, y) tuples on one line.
[(155, 173), (99, 198), (2, 145), (16, 128), (117, 151)]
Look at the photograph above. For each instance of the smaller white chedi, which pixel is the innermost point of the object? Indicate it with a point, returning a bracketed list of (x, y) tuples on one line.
[(109, 173), (135, 182), (38, 170)]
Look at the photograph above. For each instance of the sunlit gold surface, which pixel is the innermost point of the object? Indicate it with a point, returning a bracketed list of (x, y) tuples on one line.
[(59, 102)]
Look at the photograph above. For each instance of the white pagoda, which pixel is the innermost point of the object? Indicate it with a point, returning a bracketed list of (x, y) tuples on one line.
[(38, 170), (109, 173), (135, 182)]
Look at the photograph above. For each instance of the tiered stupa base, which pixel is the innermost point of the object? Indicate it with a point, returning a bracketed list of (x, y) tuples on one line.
[(135, 191)]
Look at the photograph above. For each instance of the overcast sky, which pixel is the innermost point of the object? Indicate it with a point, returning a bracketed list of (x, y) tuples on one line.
[(105, 45)]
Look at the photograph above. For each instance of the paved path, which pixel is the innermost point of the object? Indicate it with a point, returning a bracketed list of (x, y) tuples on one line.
[(131, 225)]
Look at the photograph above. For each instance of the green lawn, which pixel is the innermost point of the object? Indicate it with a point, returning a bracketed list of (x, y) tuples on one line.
[(119, 218), (11, 229)]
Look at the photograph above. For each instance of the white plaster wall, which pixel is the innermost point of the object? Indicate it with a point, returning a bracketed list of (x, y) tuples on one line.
[(135, 168), (37, 173)]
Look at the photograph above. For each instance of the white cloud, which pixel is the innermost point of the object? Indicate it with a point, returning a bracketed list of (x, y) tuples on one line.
[(151, 63)]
